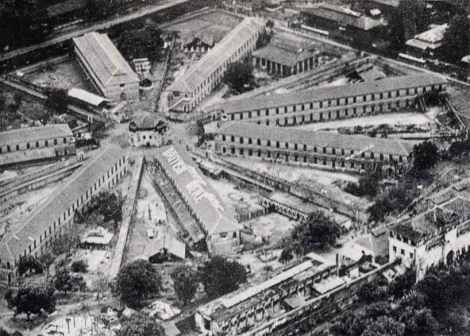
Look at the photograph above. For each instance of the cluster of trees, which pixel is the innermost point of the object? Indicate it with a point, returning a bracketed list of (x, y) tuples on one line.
[(31, 300), (368, 185), (239, 76), (139, 280), (317, 232), (23, 22), (140, 324), (141, 43), (65, 281), (436, 305), (3, 332), (104, 209)]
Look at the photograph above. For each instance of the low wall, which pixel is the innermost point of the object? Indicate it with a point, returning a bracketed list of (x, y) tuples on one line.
[(127, 214)]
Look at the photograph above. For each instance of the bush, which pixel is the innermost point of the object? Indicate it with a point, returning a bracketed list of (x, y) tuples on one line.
[(79, 266)]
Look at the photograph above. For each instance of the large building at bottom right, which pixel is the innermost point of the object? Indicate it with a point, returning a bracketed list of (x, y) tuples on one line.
[(439, 233)]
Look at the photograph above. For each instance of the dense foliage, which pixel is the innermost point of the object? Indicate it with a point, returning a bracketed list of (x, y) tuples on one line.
[(239, 76), (104, 209), (185, 283), (31, 300), (137, 281), (221, 276), (436, 305), (140, 324)]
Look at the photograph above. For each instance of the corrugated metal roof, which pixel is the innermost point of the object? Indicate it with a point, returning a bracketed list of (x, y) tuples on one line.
[(104, 58), (204, 201), (33, 134), (332, 92), (86, 96), (221, 52), (17, 241), (318, 138)]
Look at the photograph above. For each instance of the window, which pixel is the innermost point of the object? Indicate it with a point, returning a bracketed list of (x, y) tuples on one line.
[(64, 140), (394, 249), (27, 145), (37, 144), (55, 141), (46, 143), (17, 147), (402, 252)]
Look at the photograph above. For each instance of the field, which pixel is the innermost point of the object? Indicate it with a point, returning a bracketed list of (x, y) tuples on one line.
[(64, 75)]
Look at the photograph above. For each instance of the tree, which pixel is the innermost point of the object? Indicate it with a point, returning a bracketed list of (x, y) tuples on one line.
[(425, 156), (368, 185), (456, 40), (47, 259), (141, 43), (371, 292), (384, 326), (221, 276), (3, 332), (318, 231), (184, 283), (103, 208), (239, 76), (29, 263), (100, 285), (413, 17), (403, 283), (58, 99), (140, 324), (32, 300), (136, 281), (79, 266), (286, 255), (65, 282), (98, 9)]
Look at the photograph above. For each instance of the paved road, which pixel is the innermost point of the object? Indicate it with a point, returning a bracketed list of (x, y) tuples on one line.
[(98, 26)]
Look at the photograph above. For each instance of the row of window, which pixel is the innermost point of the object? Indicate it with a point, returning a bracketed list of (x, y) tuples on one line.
[(375, 98), (303, 147), (37, 144), (51, 231), (326, 115)]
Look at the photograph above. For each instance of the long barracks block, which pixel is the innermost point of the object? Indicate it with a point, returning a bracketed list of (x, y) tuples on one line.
[(316, 149), (333, 102)]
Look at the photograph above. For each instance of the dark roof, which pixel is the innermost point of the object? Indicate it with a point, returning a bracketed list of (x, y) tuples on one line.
[(332, 92), (343, 16), (147, 122), (318, 138)]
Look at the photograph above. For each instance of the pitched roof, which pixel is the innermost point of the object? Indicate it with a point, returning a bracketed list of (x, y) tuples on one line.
[(332, 92), (32, 134), (204, 201), (86, 96), (318, 138), (221, 52), (103, 57), (343, 15), (430, 39), (18, 240), (285, 52)]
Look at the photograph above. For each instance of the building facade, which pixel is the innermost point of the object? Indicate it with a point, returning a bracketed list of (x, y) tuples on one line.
[(31, 144), (333, 103), (148, 131), (316, 149), (285, 58), (55, 217), (197, 82), (105, 67), (438, 235)]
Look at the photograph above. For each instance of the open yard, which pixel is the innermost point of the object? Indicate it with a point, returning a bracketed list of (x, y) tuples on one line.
[(64, 75), (392, 119)]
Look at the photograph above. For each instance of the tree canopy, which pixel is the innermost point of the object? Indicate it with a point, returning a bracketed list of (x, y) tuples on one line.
[(221, 276), (31, 300), (318, 232), (140, 324), (239, 76), (185, 283), (137, 281), (425, 156), (141, 43), (29, 263), (456, 41)]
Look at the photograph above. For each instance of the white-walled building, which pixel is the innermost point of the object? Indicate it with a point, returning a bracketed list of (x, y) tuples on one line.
[(189, 89), (437, 235), (30, 144), (148, 131), (105, 67), (55, 216)]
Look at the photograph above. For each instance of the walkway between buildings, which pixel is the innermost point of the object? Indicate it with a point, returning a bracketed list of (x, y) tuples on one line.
[(127, 214)]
